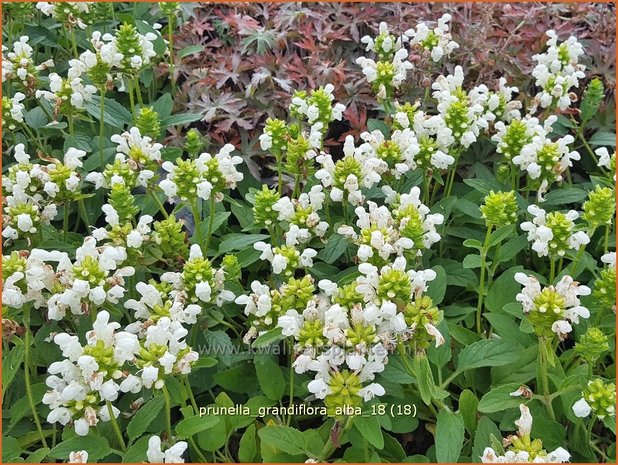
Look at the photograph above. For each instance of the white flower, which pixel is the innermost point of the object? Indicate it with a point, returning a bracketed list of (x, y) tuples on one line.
[(581, 408), (172, 455), (80, 456)]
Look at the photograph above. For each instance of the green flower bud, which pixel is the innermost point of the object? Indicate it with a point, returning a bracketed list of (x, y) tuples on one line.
[(409, 110), (169, 8), (347, 296), (148, 123), (104, 356), (59, 174), (411, 226), (122, 200), (601, 397), (361, 334), (605, 288), (297, 162), (231, 267), (26, 209), (593, 96), (296, 293), (592, 344), (456, 117), (549, 307), (385, 72), (344, 168), (428, 146), (19, 12), (122, 170), (417, 314), (12, 264), (514, 139), (390, 152), (503, 172), (600, 208), (275, 136), (128, 43), (194, 144), (171, 239), (197, 270), (499, 208), (311, 334), (90, 270), (394, 285), (345, 387), (562, 229), (263, 211), (533, 447)]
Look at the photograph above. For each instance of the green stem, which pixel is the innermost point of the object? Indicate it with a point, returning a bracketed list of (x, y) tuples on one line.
[(82, 207), (606, 238), (579, 132), (296, 191), (552, 270), (101, 127), (291, 348), (450, 181), (65, 223), (479, 307), (33, 137), (211, 221), (131, 98), (191, 396), (168, 411), (170, 40), (196, 223), (155, 197), (543, 362), (74, 42), (138, 92), (197, 450), (328, 449), (279, 173), (71, 125), (27, 379), (115, 426)]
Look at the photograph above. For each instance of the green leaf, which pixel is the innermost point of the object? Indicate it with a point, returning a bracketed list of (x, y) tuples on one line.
[(248, 445), (238, 241), (473, 243), (499, 399), (286, 439), (270, 377), (379, 125), (486, 428), (137, 452), (449, 436), (436, 289), (334, 249), (190, 50), (370, 429), (11, 363), (36, 118), (266, 339), (503, 290), (180, 119), (565, 196), (195, 424), (163, 106), (145, 416), (500, 234), (468, 404), (603, 138), (424, 379), (510, 249), (488, 353), (472, 261), (11, 449), (38, 455), (96, 446), (205, 362), (114, 112)]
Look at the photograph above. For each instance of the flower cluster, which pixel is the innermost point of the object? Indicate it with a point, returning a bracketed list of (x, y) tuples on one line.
[(552, 310), (557, 71), (437, 41), (521, 448), (598, 398)]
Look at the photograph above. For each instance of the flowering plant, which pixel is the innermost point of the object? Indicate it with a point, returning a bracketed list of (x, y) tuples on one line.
[(416, 288)]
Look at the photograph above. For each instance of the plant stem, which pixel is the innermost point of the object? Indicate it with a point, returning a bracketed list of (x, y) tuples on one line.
[(211, 222), (328, 449), (191, 396), (170, 41), (296, 191), (112, 418), (197, 232), (65, 223), (606, 239), (33, 137), (479, 307), (197, 450), (279, 173), (552, 269), (544, 378), (101, 127), (74, 42), (168, 411), (131, 98), (138, 92), (291, 348), (27, 380), (159, 204)]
